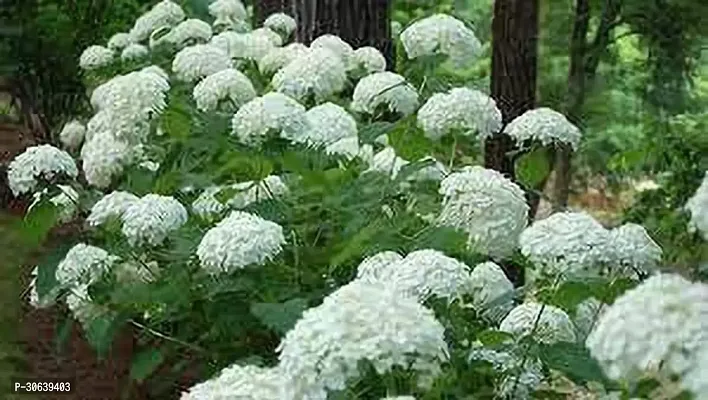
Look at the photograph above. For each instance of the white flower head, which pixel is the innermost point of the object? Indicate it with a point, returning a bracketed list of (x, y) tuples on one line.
[(441, 34), (348, 147), (243, 46), (328, 123), (281, 23), (466, 110), (131, 98), (552, 324), (697, 206), (83, 264), (151, 219), (490, 286), (198, 61), (272, 36), (387, 162), (81, 305), (271, 112), (511, 365), (566, 242), (119, 41), (376, 268), (189, 31), (42, 162), (634, 249), (661, 326), (545, 126), (95, 57), (430, 273), (112, 205), (208, 206), (318, 72), (134, 52), (240, 240), (228, 12), (337, 46), (245, 382), (72, 134), (361, 321), (384, 89), (369, 60), (164, 13), (104, 157), (66, 202), (226, 85), (279, 57), (490, 208)]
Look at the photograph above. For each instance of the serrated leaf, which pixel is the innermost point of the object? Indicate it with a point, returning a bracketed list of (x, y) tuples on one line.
[(38, 222), (280, 317), (145, 363), (533, 167), (574, 360)]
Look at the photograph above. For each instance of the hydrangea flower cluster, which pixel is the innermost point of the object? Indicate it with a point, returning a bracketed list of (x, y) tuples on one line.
[(238, 382), (190, 31), (83, 264), (241, 239), (368, 60), (119, 41), (151, 219), (228, 85), (384, 89), (661, 326), (164, 13), (461, 109), (66, 202), (338, 47), (279, 57), (318, 72), (490, 290), (511, 365), (634, 250), (134, 52), (489, 207), (37, 163), (281, 23), (697, 206), (112, 205), (328, 124), (271, 112), (551, 323), (360, 321), (545, 126), (246, 193), (95, 56), (228, 13), (195, 62), (273, 37), (244, 46), (387, 162), (441, 34)]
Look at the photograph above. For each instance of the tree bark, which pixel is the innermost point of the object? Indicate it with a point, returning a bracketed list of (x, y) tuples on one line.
[(358, 22), (263, 8), (513, 86)]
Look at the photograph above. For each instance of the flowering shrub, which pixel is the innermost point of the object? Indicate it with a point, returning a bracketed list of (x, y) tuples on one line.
[(255, 200)]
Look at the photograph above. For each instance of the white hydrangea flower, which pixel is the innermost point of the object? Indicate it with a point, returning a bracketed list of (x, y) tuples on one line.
[(207, 205), (244, 46), (42, 162), (634, 249), (360, 321), (467, 110), (226, 85), (339, 47), (72, 134), (566, 242), (318, 72), (279, 57), (586, 315), (136, 95), (228, 12), (376, 267), (274, 38), (104, 157), (133, 52), (696, 380), (369, 60), (164, 13), (187, 31), (511, 365), (348, 147), (246, 382), (384, 89), (281, 23), (271, 112), (125, 124), (553, 325), (488, 206), (387, 162), (119, 41), (66, 202), (83, 264), (489, 285), (195, 62), (241, 239), (545, 126), (328, 123), (661, 326), (81, 306), (430, 273), (95, 57), (697, 206), (112, 205), (441, 34), (522, 388), (151, 219)]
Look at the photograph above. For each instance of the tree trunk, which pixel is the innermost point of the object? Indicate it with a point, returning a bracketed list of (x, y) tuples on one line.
[(358, 22), (263, 8), (513, 86)]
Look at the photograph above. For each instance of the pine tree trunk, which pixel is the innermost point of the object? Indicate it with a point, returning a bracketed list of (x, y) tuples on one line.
[(358, 22)]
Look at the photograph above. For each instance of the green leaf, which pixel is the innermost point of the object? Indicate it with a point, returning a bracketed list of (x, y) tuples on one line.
[(493, 337), (574, 361), (356, 245), (46, 278), (570, 294), (38, 222), (145, 363), (176, 121), (533, 167), (63, 333), (101, 331), (280, 317)]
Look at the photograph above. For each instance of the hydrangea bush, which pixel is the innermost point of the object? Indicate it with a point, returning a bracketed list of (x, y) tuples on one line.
[(294, 216)]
